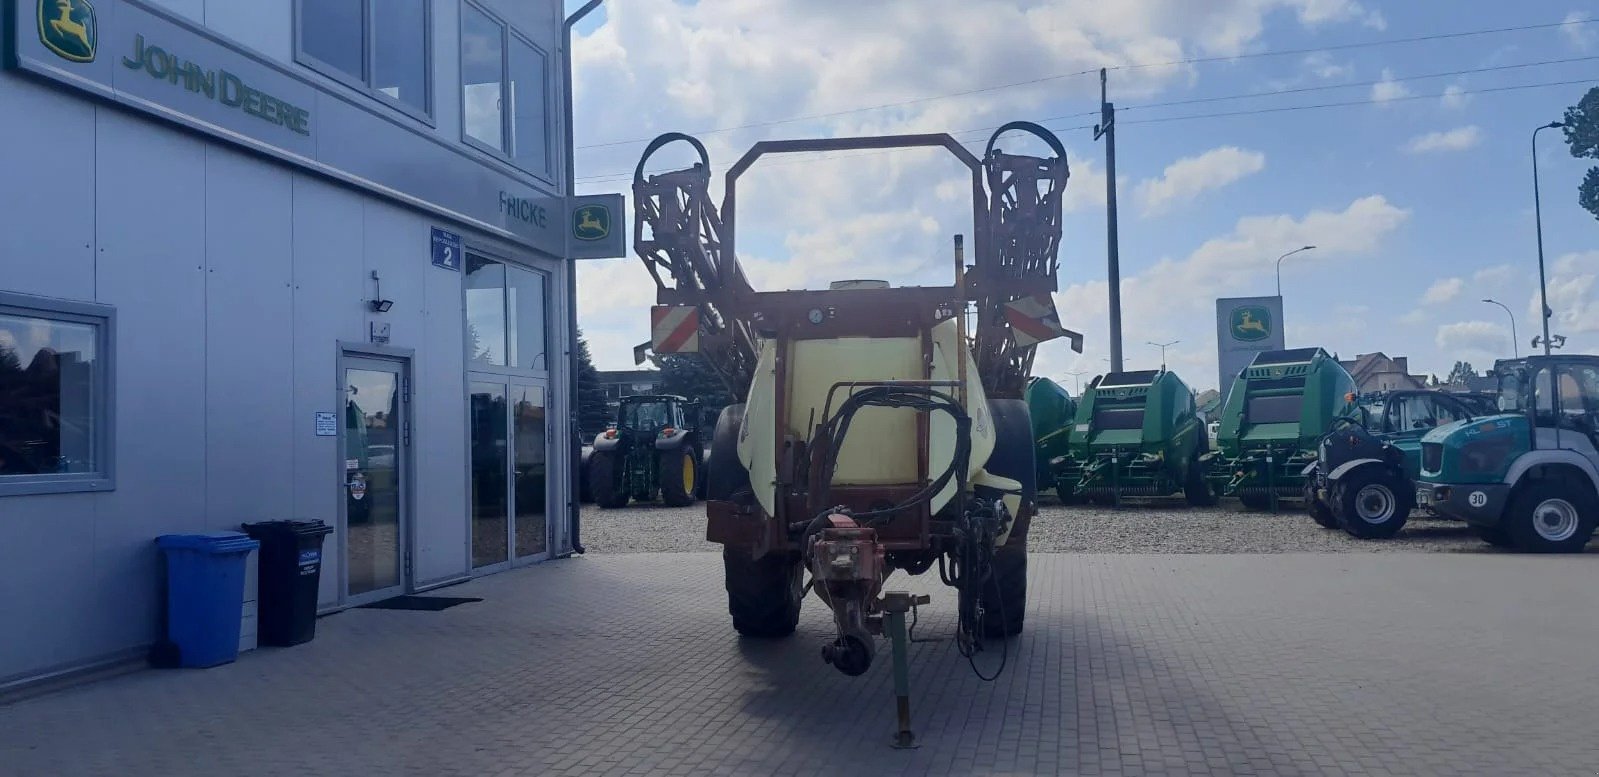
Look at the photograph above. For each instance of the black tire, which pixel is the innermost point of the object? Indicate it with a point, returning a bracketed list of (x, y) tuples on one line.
[(725, 476), (764, 594), (1255, 501), (1372, 503), (1196, 490), (1493, 535), (585, 494), (1319, 511), (1066, 495), (1004, 597), (605, 481), (678, 474), (1528, 518)]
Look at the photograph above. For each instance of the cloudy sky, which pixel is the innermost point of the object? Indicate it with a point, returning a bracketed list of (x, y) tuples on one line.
[(1406, 162)]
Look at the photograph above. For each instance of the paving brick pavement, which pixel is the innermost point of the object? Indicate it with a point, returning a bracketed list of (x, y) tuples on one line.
[(1294, 664)]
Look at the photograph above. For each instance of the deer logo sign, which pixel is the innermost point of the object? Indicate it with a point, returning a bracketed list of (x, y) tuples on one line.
[(68, 28), (591, 222), (1251, 323)]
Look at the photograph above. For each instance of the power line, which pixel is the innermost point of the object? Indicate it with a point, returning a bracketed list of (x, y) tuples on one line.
[(628, 174), (1135, 66), (1369, 101)]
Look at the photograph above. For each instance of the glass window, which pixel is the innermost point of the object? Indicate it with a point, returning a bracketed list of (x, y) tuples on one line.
[(334, 31), (485, 311), (1273, 410), (482, 75), (54, 430), (529, 434), (400, 50), (529, 138), (379, 44), (525, 305)]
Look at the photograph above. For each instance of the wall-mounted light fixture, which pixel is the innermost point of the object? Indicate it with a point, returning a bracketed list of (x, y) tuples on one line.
[(378, 303)]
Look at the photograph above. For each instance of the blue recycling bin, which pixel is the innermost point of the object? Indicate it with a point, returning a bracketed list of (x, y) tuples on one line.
[(205, 595)]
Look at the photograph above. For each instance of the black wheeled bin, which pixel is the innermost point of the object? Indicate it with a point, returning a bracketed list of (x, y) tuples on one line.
[(290, 571)]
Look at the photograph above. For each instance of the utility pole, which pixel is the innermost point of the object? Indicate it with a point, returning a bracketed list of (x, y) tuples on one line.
[(1107, 129)]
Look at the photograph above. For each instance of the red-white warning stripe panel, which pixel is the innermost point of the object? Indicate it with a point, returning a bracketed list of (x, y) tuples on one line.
[(675, 328), (1033, 319)]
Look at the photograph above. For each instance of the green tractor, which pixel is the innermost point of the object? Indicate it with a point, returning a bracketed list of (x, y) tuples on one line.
[(653, 448), (1052, 411), (1278, 408), (1528, 477), (1137, 434)]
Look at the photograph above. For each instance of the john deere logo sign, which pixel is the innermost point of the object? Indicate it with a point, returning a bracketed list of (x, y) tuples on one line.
[(1251, 323), (68, 28), (591, 222)]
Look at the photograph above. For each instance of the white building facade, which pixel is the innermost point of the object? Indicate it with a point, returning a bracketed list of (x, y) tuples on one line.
[(278, 259)]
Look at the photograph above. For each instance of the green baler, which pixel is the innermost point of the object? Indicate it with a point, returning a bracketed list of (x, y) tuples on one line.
[(1277, 409), (1136, 434), (1052, 411)]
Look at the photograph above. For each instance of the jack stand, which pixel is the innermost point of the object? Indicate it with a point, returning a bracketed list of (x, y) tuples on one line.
[(895, 604)]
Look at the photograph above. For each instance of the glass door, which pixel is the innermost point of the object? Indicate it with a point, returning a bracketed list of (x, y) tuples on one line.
[(530, 471), (490, 463), (376, 436)]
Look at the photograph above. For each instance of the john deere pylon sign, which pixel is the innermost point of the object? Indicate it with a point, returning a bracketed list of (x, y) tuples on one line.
[(1245, 326)]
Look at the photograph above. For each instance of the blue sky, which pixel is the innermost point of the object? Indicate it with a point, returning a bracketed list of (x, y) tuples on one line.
[(1420, 203)]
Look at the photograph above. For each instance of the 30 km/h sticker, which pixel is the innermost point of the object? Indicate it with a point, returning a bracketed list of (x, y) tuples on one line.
[(1477, 499)]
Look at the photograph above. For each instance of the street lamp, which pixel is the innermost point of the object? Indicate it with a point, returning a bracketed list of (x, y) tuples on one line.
[(1515, 347), (1162, 347), (1077, 379), (1537, 211), (1280, 266)]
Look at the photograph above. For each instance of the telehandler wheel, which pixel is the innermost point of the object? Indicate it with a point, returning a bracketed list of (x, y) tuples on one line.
[(764, 594), (724, 474), (1319, 511), (605, 481), (1493, 535), (1004, 596), (1551, 516), (679, 474), (1372, 504)]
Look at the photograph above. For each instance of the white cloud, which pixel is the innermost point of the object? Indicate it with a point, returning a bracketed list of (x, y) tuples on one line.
[(1455, 97), (1322, 64), (659, 65), (1186, 178), (1492, 279), (1388, 89), (1459, 139), (1443, 291), (1574, 298), (1169, 298), (1579, 31), (1473, 338)]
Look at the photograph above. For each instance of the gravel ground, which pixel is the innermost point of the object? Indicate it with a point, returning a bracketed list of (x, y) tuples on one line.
[(1153, 527)]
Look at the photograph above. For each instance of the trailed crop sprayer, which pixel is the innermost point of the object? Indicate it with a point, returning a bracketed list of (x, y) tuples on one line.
[(875, 428)]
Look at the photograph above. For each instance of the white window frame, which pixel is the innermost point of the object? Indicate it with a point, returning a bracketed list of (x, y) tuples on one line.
[(505, 155), (103, 318), (363, 82)]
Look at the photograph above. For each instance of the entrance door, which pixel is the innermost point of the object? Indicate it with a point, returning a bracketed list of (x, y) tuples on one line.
[(375, 477), (510, 473)]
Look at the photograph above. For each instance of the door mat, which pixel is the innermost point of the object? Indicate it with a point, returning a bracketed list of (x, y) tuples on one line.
[(422, 603)]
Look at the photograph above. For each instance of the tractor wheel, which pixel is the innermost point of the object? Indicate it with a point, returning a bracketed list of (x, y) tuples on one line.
[(1004, 595), (1319, 511), (679, 473), (605, 482), (725, 475), (1255, 501), (1372, 504), (1551, 516), (764, 594), (1493, 535)]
